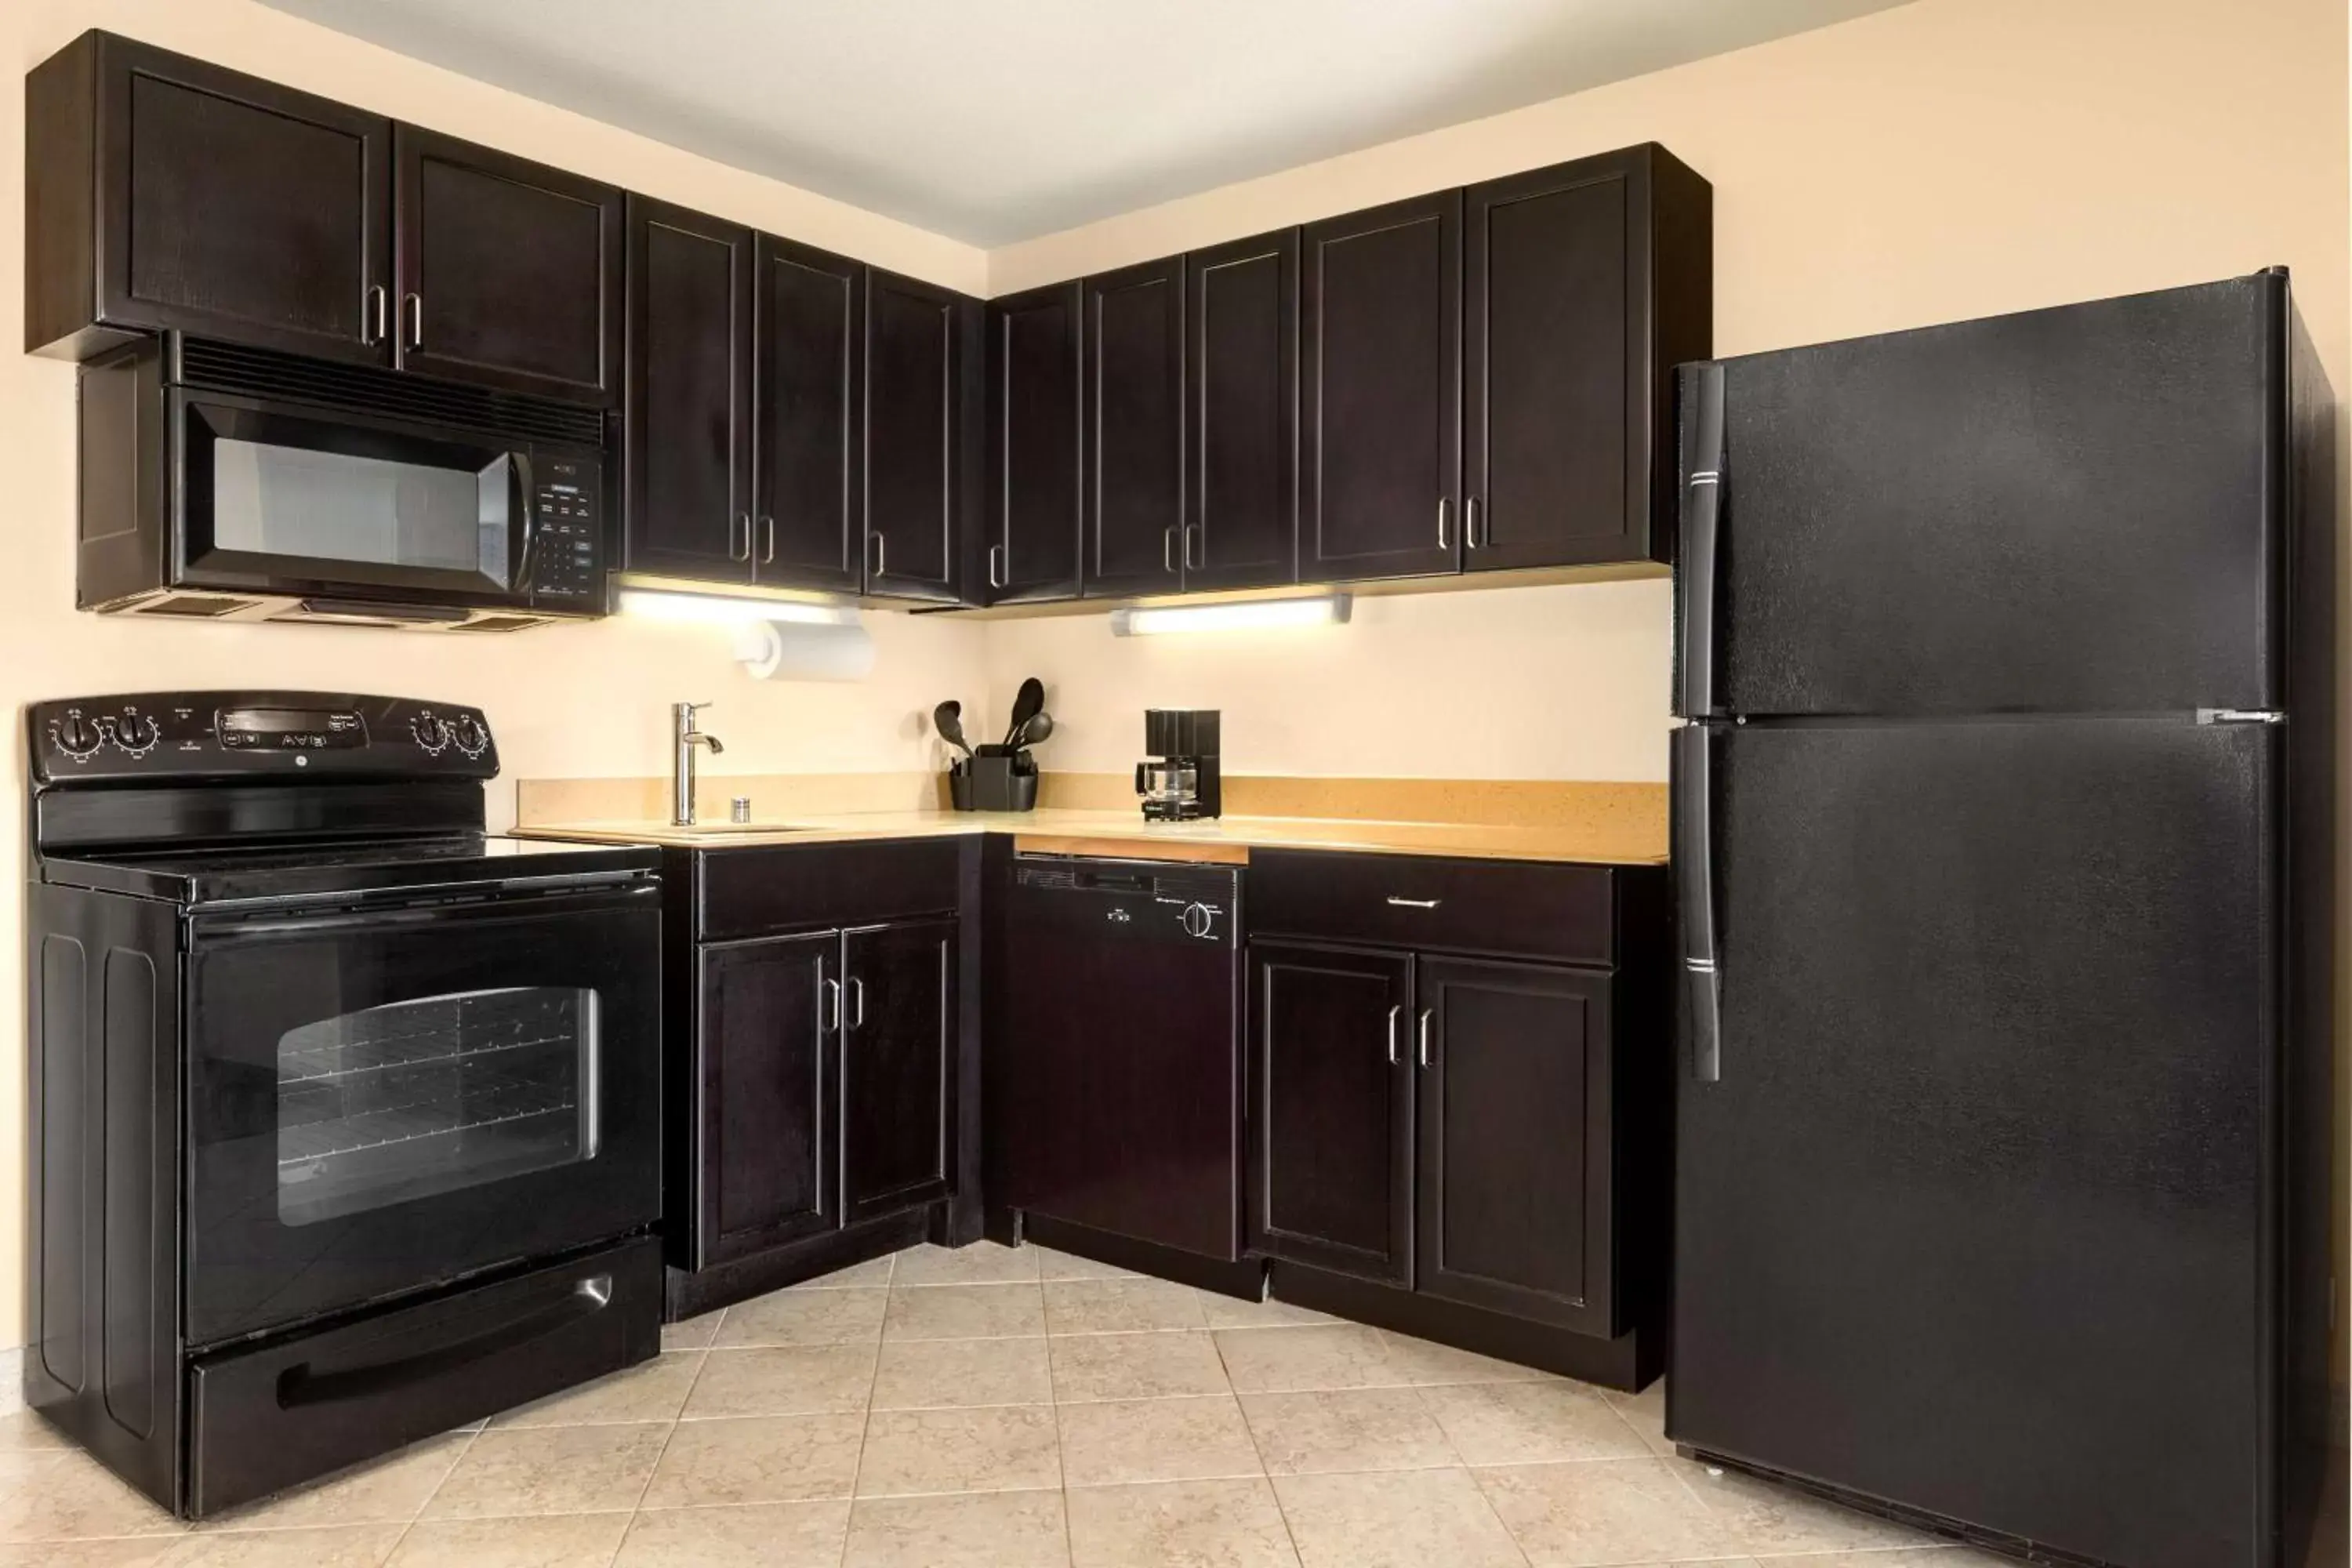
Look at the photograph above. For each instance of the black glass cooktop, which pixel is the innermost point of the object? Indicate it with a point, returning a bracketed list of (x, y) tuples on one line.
[(321, 869)]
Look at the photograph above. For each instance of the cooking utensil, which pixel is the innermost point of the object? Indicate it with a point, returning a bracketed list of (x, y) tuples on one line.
[(1027, 703), (948, 719), (1039, 727)]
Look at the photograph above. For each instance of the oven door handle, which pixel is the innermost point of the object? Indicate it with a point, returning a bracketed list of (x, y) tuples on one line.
[(591, 893), (298, 1385)]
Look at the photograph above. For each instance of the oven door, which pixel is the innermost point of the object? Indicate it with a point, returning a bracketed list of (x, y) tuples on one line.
[(381, 1100), (285, 499)]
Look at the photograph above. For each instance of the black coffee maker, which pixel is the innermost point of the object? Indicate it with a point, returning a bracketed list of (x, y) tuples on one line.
[(1180, 781)]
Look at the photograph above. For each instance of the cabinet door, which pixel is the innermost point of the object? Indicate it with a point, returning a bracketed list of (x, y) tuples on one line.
[(769, 1164), (509, 271), (1331, 1108), (1515, 1177), (914, 368), (1135, 429), (686, 441), (1553, 382), (1381, 394), (235, 208), (1241, 404), (898, 1052), (1034, 372), (809, 418)]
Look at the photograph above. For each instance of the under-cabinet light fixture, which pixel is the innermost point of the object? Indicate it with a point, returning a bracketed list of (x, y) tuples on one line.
[(729, 609), (1250, 614)]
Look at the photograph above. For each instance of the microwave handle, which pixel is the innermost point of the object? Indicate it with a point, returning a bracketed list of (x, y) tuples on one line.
[(529, 517)]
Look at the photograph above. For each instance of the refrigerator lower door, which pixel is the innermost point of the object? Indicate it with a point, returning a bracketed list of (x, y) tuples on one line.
[(1972, 1217)]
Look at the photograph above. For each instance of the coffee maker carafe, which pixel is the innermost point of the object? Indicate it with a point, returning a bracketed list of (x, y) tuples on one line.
[(1179, 782)]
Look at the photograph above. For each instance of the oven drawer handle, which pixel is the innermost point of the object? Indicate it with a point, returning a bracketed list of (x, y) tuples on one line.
[(299, 1386)]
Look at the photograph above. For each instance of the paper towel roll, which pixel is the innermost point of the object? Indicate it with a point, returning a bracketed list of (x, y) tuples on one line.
[(793, 650)]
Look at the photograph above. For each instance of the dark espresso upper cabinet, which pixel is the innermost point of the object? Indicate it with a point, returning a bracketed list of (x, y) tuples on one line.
[(1035, 344), (1134, 403), (1583, 285), (686, 443), (164, 192), (1380, 396), (915, 396), (509, 271), (809, 416), (1241, 414)]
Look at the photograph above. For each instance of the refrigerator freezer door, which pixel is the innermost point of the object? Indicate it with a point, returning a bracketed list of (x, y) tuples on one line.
[(2068, 511), (1971, 1219)]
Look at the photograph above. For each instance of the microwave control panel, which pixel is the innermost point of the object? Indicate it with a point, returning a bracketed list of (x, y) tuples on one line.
[(161, 737), (568, 534)]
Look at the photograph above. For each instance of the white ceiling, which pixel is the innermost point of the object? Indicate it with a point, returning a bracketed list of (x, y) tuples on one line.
[(995, 121)]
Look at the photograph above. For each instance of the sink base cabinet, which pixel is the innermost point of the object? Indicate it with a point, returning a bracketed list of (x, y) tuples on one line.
[(816, 1095)]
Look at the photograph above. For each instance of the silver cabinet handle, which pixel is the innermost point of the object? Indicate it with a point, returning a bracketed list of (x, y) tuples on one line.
[(1444, 538), (742, 521), (1425, 1012), (831, 993), (1413, 903), (1167, 548), (856, 1003), (996, 565), (1470, 535), (1189, 531), (767, 540), (881, 555), (1393, 1010), (372, 330), (414, 305)]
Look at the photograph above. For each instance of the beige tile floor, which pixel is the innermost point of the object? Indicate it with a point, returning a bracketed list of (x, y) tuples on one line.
[(1000, 1408)]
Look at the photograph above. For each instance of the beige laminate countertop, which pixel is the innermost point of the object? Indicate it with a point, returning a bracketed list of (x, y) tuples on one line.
[(1124, 834)]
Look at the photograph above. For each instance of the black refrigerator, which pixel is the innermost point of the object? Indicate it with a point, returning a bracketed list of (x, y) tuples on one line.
[(2002, 820)]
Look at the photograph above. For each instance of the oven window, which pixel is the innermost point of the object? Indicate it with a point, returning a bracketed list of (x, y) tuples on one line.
[(414, 1098), (271, 500)]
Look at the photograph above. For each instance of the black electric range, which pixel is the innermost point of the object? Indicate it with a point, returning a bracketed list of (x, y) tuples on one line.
[(345, 1113)]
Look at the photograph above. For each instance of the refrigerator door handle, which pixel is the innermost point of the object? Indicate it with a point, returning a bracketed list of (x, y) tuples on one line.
[(1698, 396), (1693, 856)]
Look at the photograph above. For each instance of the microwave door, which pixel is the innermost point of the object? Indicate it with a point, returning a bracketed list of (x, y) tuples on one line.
[(280, 499)]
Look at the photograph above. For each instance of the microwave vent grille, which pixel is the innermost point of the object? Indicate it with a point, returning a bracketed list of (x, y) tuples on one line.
[(207, 606), (386, 394)]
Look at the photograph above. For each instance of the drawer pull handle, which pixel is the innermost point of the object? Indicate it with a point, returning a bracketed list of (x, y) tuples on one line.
[(1413, 903)]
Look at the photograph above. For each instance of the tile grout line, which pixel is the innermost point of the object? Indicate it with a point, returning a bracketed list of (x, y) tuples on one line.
[(670, 1436), (426, 1501), (865, 1418)]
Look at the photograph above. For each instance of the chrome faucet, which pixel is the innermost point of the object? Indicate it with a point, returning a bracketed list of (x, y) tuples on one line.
[(681, 782)]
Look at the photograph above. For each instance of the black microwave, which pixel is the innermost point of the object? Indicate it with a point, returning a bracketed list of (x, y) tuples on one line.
[(227, 483)]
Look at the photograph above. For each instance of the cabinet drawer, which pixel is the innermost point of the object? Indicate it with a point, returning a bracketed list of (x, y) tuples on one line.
[(1512, 907), (750, 890)]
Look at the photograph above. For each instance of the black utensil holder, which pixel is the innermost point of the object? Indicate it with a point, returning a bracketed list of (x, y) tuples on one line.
[(993, 784)]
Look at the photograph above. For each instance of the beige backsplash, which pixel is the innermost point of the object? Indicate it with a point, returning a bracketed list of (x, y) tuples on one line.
[(780, 797)]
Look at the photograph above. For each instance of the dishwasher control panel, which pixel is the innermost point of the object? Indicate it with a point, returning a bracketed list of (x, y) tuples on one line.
[(1139, 899)]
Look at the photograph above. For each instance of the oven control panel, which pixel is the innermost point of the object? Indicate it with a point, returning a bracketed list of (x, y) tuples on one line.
[(567, 537), (166, 736)]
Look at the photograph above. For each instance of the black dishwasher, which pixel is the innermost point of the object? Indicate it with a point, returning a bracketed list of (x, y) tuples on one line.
[(1117, 1071)]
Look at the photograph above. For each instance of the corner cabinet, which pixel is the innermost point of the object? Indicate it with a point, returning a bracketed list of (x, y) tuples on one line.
[(821, 1004), (1460, 1091)]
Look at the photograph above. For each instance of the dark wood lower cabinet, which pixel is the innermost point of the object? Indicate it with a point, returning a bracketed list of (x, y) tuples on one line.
[(1332, 1109), (897, 1062), (1516, 1116), (768, 1155)]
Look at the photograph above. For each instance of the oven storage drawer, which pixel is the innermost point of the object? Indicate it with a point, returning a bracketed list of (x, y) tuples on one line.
[(1515, 909), (263, 1419)]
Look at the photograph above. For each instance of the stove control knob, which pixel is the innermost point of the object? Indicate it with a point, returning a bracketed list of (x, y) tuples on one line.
[(1199, 920), (78, 736), (467, 732), (430, 732), (136, 734)]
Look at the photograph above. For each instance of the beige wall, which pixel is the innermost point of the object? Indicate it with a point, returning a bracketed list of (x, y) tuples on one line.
[(1945, 159)]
